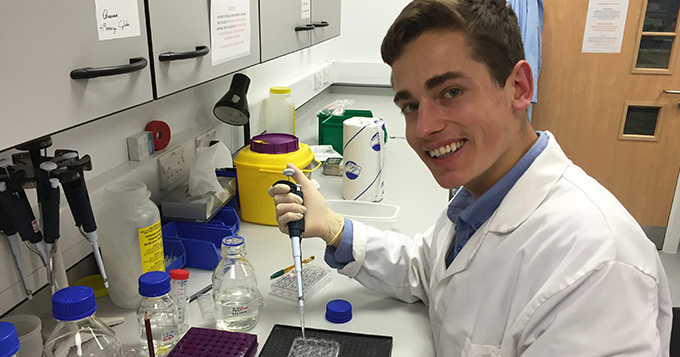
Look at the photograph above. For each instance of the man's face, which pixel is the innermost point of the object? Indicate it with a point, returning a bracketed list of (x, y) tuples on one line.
[(458, 120)]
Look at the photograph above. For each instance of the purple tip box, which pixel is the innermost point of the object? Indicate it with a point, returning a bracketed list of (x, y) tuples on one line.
[(203, 342)]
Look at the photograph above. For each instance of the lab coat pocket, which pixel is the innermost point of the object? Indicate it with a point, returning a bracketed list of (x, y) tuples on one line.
[(472, 350)]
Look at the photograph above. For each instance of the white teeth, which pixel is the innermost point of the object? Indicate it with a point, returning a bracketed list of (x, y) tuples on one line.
[(446, 150)]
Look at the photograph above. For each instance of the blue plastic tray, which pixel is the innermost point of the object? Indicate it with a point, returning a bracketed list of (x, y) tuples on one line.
[(173, 247), (203, 241)]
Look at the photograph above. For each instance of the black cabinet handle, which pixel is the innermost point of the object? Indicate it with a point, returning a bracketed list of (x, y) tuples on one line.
[(173, 56), (136, 64), (321, 24), (307, 27)]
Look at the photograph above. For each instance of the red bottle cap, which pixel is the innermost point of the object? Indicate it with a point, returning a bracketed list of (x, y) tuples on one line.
[(179, 274)]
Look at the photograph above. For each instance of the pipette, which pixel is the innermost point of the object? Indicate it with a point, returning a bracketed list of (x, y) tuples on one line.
[(12, 234), (295, 230)]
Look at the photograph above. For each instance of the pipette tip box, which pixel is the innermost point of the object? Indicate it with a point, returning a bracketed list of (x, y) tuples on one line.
[(203, 342), (313, 279)]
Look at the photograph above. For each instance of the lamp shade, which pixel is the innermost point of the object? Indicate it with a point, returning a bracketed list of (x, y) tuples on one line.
[(232, 108)]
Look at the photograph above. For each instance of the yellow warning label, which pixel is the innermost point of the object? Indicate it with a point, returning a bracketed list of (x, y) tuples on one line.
[(151, 248)]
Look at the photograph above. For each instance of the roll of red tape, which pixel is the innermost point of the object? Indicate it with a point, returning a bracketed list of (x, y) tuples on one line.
[(161, 133)]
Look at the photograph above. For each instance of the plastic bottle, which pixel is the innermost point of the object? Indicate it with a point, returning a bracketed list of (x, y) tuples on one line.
[(235, 291), (178, 291), (78, 331), (9, 341), (131, 239), (279, 111), (154, 287)]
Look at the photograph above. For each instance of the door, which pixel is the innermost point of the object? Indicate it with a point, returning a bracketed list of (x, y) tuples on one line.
[(616, 115), (326, 20)]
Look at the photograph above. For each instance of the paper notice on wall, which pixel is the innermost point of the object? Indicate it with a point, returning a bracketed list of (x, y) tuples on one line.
[(604, 26), (117, 19), (306, 9), (229, 30)]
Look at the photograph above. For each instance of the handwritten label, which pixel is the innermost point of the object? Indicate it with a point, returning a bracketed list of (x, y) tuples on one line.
[(306, 9), (229, 30), (117, 19)]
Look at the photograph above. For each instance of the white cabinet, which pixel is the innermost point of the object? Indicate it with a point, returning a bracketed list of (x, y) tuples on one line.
[(42, 42), (180, 37), (290, 25), (326, 20)]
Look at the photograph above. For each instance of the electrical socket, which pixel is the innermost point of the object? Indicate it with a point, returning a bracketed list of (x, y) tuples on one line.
[(172, 166), (318, 80), (203, 140), (328, 75)]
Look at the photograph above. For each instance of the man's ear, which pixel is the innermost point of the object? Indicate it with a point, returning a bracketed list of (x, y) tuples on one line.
[(522, 81)]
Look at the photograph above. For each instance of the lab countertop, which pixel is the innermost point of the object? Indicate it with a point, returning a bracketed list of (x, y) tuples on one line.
[(408, 184)]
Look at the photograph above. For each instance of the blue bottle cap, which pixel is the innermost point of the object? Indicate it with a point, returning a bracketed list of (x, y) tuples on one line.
[(9, 341), (338, 311), (154, 283), (73, 303)]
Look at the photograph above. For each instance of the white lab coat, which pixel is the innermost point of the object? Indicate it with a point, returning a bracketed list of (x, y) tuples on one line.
[(560, 269)]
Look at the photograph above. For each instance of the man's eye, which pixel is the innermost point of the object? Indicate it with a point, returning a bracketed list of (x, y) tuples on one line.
[(452, 93), (409, 108)]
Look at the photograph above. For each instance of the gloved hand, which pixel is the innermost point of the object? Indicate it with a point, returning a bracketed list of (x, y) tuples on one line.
[(320, 221)]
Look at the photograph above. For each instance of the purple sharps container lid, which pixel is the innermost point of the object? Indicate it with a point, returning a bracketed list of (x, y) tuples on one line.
[(274, 143)]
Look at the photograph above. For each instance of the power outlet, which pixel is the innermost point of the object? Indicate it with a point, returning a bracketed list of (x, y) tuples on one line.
[(318, 80), (204, 139), (328, 75), (172, 166)]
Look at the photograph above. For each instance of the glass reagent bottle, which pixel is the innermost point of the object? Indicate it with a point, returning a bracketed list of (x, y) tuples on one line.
[(154, 287), (79, 332), (235, 291)]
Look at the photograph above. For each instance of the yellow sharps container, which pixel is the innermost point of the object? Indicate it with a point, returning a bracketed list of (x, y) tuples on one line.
[(261, 164)]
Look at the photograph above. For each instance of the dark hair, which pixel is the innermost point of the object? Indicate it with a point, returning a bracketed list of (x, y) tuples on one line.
[(490, 28)]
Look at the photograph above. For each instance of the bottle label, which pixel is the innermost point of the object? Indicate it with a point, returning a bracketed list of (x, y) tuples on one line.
[(240, 310), (151, 248)]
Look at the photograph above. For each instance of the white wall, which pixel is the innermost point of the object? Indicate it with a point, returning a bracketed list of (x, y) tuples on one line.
[(357, 59)]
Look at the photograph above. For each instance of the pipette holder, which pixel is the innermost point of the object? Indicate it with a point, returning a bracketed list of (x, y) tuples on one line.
[(32, 168)]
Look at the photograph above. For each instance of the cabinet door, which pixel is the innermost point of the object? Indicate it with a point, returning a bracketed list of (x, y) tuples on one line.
[(42, 42), (326, 20), (285, 26), (180, 37)]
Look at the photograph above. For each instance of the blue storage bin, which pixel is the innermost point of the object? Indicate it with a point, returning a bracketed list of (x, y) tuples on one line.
[(173, 247), (203, 241)]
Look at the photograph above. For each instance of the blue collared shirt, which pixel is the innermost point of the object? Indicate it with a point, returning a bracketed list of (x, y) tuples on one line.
[(530, 19), (468, 213), (464, 211)]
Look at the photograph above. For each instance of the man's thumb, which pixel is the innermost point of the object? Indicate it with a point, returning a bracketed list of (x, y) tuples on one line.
[(300, 177)]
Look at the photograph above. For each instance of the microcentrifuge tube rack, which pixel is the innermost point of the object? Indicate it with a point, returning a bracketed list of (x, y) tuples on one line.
[(313, 279), (202, 342)]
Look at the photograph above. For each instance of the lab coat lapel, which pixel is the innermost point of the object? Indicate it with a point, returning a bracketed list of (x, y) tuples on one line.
[(531, 189), (523, 199)]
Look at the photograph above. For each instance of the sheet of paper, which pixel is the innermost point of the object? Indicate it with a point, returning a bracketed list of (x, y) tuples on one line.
[(229, 30), (306, 9), (117, 19), (604, 26)]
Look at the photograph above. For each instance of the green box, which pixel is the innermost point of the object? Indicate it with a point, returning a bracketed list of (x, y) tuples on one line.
[(330, 127)]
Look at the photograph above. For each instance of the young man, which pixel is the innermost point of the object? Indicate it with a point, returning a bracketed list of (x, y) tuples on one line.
[(532, 257)]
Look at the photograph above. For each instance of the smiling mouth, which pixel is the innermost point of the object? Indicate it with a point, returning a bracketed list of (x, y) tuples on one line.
[(446, 150)]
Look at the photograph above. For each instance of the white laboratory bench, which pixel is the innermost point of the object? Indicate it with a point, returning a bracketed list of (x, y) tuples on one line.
[(408, 184)]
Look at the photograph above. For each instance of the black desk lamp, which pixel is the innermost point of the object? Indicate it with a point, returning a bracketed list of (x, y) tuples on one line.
[(233, 107)]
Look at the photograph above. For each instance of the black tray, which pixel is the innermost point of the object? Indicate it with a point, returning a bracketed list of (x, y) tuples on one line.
[(351, 344)]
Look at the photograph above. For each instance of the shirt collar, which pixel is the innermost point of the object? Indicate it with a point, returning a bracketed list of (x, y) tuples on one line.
[(473, 212)]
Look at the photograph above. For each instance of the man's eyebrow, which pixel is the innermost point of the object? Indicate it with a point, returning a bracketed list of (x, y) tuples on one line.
[(441, 78), (401, 95)]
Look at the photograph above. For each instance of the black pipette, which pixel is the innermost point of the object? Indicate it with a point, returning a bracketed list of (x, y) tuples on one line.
[(295, 230)]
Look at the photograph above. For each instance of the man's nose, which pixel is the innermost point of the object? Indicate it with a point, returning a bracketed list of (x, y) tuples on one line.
[(430, 118)]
